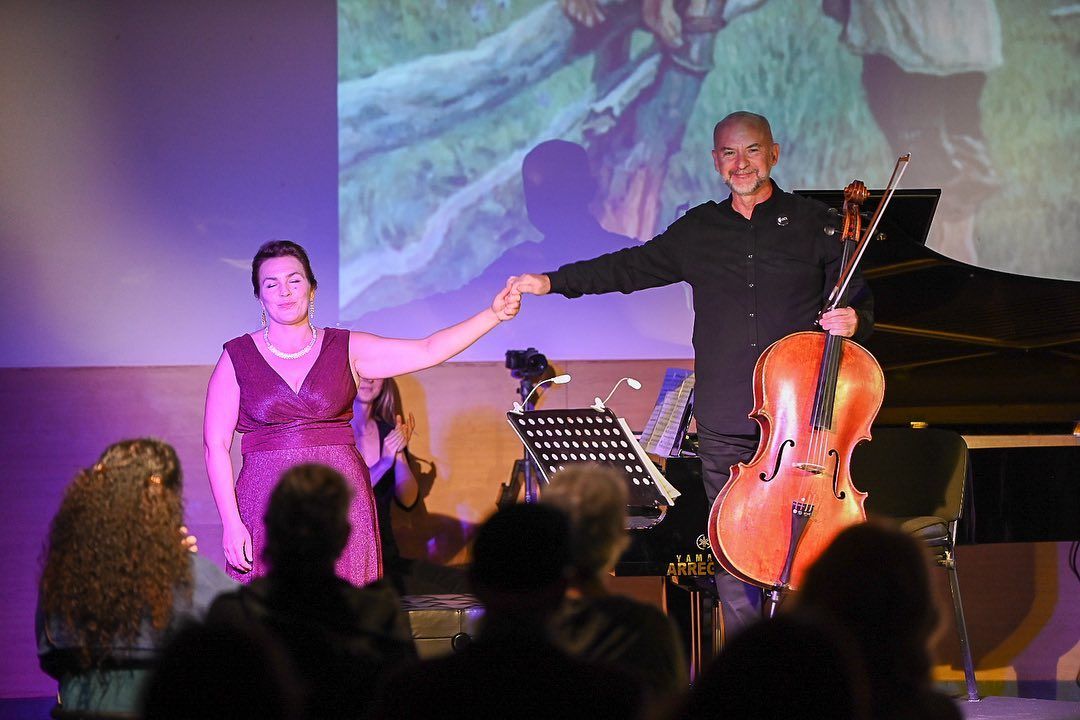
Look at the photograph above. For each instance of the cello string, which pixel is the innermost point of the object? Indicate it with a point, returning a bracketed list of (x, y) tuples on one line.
[(805, 484), (818, 435), (821, 432), (821, 420)]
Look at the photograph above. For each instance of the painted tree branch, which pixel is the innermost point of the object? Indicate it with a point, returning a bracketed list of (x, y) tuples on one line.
[(459, 207), (431, 94)]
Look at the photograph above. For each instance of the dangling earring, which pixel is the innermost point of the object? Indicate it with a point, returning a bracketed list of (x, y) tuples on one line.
[(264, 317), (311, 310)]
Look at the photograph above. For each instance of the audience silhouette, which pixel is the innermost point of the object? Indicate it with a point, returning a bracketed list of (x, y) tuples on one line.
[(520, 565), (218, 671), (873, 582), (592, 623), (302, 642), (341, 638), (785, 667)]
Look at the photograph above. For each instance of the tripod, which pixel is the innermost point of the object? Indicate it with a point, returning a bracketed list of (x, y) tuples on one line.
[(524, 471)]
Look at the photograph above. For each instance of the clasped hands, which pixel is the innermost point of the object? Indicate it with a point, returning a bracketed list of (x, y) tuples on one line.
[(507, 303)]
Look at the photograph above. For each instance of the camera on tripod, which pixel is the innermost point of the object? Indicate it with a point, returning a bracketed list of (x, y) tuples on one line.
[(528, 367), (529, 364)]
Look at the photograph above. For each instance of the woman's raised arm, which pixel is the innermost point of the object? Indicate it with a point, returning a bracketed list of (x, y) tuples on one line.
[(373, 356)]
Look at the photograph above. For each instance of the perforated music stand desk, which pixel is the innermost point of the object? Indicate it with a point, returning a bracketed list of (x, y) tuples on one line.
[(556, 439)]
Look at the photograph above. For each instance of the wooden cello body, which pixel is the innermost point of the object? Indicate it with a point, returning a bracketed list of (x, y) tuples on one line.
[(779, 511), (815, 397)]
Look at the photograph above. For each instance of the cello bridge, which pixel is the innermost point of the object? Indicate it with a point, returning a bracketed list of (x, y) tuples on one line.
[(811, 467)]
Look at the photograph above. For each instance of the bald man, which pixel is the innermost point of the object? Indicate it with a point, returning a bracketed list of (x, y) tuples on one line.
[(761, 266)]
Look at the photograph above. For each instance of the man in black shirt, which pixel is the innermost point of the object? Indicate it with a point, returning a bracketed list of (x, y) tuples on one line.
[(761, 264)]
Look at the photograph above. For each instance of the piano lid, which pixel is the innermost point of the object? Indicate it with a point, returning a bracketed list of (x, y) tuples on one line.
[(962, 345)]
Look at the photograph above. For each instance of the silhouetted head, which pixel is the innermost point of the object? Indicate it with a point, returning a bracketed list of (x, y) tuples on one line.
[(784, 667), (558, 183), (521, 560), (875, 577), (307, 521), (873, 581)]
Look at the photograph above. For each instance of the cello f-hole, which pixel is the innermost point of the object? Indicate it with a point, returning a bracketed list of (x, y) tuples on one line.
[(836, 476), (779, 458)]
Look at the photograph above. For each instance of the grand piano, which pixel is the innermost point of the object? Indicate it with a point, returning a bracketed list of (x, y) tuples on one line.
[(993, 355)]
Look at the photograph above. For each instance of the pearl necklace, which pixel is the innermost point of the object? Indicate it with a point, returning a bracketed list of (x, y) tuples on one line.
[(290, 356)]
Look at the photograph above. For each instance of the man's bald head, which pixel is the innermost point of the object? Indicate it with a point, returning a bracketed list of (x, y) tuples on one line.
[(744, 153), (744, 118)]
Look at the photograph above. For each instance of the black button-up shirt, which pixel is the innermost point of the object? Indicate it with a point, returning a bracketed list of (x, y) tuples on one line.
[(754, 281)]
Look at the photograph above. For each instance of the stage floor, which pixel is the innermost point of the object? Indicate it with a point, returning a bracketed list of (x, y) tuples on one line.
[(1000, 708), (990, 708)]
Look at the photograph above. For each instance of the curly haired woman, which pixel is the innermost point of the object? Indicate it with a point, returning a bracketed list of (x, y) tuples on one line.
[(118, 576)]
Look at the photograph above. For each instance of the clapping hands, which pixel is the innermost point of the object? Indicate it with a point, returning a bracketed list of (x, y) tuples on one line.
[(398, 439)]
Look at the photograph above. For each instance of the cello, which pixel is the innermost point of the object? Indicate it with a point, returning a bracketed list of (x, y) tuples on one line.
[(815, 398)]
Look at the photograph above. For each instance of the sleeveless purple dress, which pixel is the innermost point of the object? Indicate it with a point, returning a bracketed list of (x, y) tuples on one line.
[(281, 428)]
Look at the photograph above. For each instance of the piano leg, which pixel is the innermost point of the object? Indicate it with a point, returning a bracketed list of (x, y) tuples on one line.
[(697, 654), (698, 615), (706, 631), (718, 638)]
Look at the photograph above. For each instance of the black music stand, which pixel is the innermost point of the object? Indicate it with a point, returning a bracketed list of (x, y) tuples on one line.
[(555, 439)]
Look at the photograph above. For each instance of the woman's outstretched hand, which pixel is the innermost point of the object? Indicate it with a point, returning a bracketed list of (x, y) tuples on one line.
[(508, 302)]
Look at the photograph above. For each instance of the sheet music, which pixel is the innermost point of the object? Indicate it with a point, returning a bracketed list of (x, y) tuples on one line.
[(669, 491), (663, 432)]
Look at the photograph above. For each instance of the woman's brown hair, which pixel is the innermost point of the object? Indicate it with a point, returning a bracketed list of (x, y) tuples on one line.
[(276, 249), (386, 406), (114, 557)]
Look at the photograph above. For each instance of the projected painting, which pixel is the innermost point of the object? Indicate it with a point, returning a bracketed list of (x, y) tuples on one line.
[(487, 138)]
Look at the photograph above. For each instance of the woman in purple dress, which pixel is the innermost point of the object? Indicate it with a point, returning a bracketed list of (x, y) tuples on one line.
[(288, 388)]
